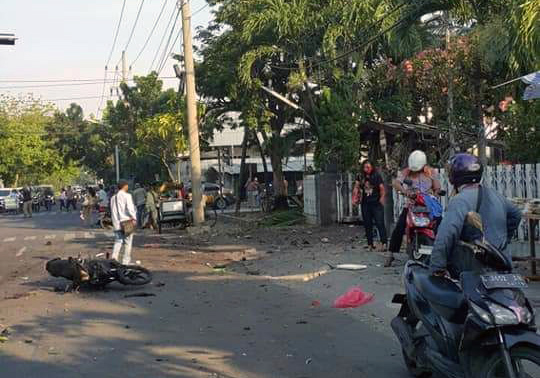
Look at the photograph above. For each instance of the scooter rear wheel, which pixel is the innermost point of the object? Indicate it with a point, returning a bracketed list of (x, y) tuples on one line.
[(414, 246), (523, 357)]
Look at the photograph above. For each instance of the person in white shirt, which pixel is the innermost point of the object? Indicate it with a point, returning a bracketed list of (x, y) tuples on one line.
[(122, 209)]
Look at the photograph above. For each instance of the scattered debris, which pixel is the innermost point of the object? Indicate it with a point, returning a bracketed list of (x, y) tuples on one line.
[(139, 295), (53, 352), (160, 284), (308, 361), (28, 341), (247, 328), (351, 266), (355, 297), (315, 303), (48, 243), (325, 240), (301, 322)]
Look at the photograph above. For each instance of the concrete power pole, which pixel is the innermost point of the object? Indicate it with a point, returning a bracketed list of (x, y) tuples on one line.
[(124, 67), (191, 100)]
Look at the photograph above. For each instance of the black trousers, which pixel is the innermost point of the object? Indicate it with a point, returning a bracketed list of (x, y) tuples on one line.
[(399, 231), (373, 214)]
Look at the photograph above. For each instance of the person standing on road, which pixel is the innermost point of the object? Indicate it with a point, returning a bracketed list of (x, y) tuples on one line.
[(88, 205), (370, 187), (27, 201), (70, 199), (139, 197), (63, 199), (151, 207), (252, 189), (103, 199), (122, 210)]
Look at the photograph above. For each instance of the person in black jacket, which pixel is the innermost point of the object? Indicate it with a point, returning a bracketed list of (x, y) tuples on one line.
[(27, 201), (370, 186)]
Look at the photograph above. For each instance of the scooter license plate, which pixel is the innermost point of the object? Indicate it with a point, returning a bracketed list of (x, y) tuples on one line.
[(504, 281)]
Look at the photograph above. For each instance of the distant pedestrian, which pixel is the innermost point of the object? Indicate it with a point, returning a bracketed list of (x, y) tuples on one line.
[(151, 207), (103, 198), (88, 206), (370, 187), (63, 199), (252, 190), (27, 201), (70, 199), (139, 197), (124, 218)]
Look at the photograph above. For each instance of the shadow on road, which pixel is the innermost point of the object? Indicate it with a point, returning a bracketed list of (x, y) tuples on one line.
[(231, 327)]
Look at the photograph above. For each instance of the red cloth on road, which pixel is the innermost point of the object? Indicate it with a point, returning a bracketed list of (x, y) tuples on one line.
[(355, 297)]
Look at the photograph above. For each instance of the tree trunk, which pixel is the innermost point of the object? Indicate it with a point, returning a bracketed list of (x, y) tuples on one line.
[(263, 158), (479, 116), (242, 178), (280, 193)]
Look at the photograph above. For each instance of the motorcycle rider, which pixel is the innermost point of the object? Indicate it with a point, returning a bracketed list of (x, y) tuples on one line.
[(465, 174), (423, 179)]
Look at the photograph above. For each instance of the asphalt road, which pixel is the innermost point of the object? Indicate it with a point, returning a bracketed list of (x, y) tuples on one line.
[(198, 323)]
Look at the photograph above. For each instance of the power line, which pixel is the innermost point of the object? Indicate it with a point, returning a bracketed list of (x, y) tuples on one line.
[(162, 38), (97, 80), (164, 54), (199, 10), (116, 33), (170, 51), (134, 25), (151, 32), (107, 81)]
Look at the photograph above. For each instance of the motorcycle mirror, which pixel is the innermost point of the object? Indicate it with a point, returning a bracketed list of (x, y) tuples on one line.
[(408, 182), (475, 220)]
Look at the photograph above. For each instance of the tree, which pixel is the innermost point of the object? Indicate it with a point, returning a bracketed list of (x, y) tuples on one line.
[(27, 156)]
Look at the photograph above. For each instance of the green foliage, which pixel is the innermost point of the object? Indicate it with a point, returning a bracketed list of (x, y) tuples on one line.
[(520, 124), (337, 135), (27, 156)]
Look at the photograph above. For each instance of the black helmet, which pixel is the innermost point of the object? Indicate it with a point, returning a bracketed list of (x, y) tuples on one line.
[(465, 169)]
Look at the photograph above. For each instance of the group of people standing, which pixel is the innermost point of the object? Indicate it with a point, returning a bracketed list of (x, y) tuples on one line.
[(370, 193)]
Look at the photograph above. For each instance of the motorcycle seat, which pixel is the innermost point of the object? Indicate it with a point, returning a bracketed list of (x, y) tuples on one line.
[(445, 296)]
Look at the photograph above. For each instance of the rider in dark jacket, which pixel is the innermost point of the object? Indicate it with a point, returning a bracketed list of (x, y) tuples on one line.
[(501, 218)]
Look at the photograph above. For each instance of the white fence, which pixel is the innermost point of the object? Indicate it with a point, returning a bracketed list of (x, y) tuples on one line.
[(520, 180)]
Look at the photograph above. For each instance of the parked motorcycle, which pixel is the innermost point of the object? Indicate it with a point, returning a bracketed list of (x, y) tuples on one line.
[(36, 203), (481, 326), (420, 226), (97, 272)]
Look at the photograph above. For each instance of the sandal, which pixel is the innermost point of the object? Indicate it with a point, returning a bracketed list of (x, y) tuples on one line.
[(388, 261)]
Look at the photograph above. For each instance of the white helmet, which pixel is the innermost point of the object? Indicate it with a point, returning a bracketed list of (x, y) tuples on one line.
[(417, 160)]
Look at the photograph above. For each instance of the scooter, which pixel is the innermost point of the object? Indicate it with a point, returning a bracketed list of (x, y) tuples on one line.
[(480, 326), (420, 227)]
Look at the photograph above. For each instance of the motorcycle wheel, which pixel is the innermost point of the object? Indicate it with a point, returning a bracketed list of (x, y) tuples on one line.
[(413, 368), (220, 203), (525, 358), (413, 250), (105, 225), (133, 275)]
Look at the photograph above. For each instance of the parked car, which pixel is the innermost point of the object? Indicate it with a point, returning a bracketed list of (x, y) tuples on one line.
[(4, 194), (215, 197)]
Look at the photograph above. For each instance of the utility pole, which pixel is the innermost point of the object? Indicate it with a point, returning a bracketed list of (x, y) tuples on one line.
[(117, 163), (124, 67), (450, 104), (191, 100)]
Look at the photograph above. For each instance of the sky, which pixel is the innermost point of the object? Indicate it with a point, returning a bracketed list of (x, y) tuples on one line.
[(72, 39)]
